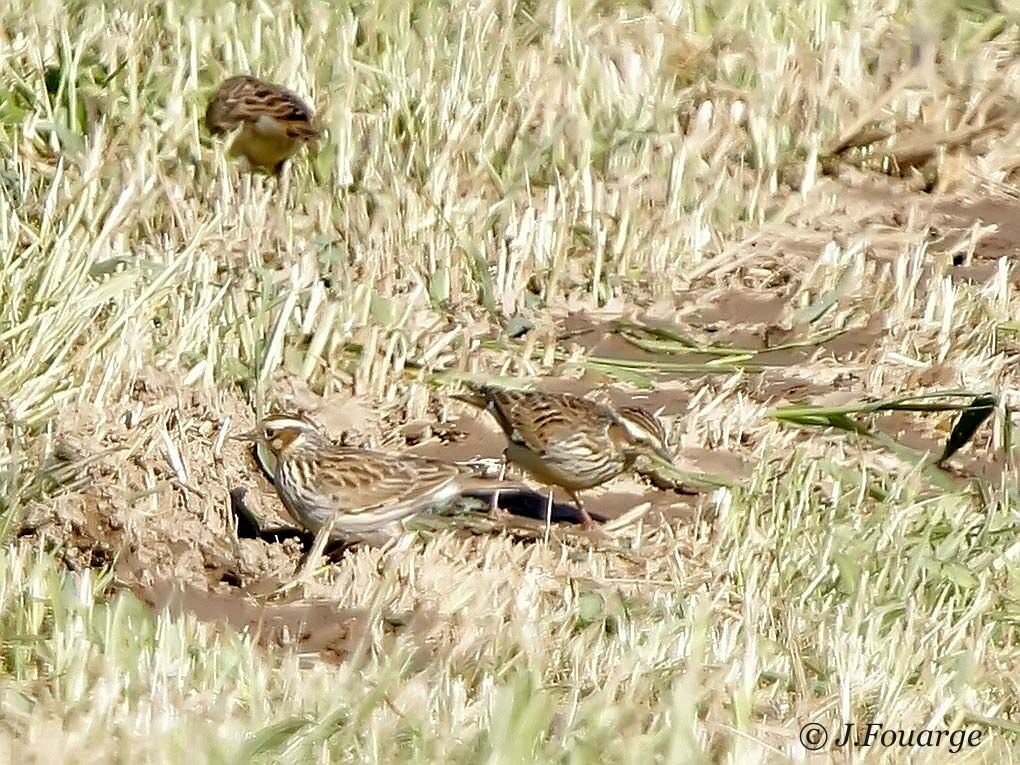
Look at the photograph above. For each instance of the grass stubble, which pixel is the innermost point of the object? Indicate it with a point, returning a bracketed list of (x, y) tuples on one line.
[(490, 167)]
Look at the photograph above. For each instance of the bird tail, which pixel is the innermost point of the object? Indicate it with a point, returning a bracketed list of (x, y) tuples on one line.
[(478, 486)]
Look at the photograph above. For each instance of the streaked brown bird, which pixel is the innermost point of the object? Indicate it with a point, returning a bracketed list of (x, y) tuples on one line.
[(569, 441), (358, 495), (272, 123)]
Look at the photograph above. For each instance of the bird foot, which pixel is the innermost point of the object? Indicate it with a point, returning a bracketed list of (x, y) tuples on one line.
[(497, 514)]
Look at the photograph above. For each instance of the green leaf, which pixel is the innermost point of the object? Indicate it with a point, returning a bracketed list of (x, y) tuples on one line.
[(382, 310), (439, 286), (959, 575), (590, 608), (480, 273), (849, 572), (11, 113), (623, 374), (271, 738)]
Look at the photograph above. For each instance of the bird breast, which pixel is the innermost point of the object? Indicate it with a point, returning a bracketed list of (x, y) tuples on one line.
[(569, 466)]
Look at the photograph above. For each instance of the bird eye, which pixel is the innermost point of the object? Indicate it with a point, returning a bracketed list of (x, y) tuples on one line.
[(270, 433)]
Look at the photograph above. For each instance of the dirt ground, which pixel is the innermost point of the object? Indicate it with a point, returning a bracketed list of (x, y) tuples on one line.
[(153, 495)]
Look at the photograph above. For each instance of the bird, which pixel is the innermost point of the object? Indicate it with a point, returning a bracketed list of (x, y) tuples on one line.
[(570, 441), (274, 122), (355, 494)]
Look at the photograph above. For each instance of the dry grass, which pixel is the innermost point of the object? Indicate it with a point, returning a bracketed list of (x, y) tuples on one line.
[(816, 200)]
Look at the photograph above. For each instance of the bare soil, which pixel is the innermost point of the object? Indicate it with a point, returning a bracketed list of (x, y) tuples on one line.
[(152, 495)]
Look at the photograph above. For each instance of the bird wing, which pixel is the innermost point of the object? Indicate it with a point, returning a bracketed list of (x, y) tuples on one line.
[(285, 113), (368, 489), (270, 109), (559, 426), (550, 424)]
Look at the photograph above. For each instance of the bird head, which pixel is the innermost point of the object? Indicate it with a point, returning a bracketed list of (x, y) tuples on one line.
[(284, 432), (644, 431)]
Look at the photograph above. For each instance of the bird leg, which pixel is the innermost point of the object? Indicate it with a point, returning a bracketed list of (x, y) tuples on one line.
[(282, 174), (587, 523), (496, 513), (312, 559)]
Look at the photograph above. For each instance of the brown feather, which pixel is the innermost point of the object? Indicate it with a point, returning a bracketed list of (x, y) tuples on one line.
[(357, 491), (273, 122), (567, 440)]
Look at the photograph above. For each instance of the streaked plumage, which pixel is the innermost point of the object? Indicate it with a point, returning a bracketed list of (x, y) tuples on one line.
[(273, 123), (363, 493), (570, 441)]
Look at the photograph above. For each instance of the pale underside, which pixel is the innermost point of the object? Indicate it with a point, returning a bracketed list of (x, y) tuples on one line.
[(264, 143)]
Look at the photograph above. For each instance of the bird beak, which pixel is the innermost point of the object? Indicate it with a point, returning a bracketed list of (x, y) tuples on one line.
[(251, 435), (663, 454)]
